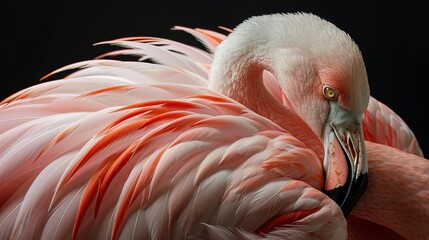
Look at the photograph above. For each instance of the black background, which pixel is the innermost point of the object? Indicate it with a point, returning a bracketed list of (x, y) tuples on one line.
[(41, 36)]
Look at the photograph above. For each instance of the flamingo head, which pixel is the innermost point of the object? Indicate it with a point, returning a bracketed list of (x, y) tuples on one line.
[(322, 73)]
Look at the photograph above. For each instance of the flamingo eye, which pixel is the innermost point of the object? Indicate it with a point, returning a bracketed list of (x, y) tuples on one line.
[(330, 92)]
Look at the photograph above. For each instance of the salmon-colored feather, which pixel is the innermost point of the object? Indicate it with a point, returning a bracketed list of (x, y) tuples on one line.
[(92, 191), (103, 90), (283, 220), (212, 34), (104, 141), (63, 134), (17, 96), (139, 185), (208, 41)]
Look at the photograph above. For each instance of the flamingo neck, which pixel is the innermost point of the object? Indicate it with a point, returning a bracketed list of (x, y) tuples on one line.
[(243, 82), (397, 192)]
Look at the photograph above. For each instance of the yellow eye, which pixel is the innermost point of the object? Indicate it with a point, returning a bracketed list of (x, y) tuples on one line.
[(330, 92)]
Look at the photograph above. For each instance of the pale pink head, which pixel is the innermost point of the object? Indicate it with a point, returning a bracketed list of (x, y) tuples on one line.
[(321, 71)]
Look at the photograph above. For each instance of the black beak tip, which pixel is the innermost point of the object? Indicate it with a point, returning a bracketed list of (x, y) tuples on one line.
[(347, 197)]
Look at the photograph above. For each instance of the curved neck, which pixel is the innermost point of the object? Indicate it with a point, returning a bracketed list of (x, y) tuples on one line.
[(398, 192), (239, 75)]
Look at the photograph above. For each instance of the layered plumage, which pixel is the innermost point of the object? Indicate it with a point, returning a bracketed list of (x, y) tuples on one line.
[(396, 203), (142, 150)]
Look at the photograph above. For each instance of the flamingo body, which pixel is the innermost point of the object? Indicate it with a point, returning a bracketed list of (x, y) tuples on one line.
[(161, 153), (192, 147)]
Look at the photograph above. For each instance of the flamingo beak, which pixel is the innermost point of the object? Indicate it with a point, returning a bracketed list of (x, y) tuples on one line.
[(345, 160)]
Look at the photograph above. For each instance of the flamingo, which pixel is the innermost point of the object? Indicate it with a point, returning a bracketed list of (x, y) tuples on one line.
[(259, 137)]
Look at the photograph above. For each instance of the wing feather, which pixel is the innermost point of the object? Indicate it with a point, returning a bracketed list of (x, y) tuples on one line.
[(382, 125)]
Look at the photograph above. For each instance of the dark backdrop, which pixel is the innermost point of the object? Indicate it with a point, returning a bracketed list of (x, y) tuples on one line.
[(41, 36)]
